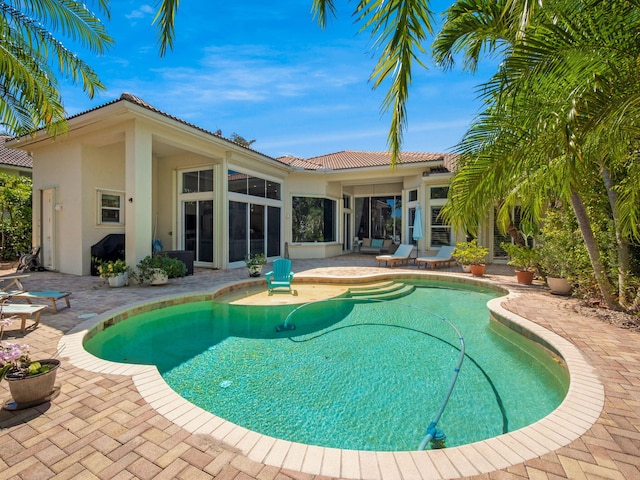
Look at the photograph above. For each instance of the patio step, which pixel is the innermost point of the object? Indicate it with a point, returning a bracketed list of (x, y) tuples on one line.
[(385, 292)]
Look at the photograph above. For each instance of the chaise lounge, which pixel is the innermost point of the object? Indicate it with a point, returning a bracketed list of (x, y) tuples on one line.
[(48, 295), (24, 312), (443, 256), (401, 256)]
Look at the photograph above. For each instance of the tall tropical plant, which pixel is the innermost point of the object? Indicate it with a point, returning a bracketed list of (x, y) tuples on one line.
[(31, 52), (15, 215), (561, 117)]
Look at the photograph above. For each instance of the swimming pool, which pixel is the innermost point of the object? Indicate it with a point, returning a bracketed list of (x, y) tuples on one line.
[(379, 405)]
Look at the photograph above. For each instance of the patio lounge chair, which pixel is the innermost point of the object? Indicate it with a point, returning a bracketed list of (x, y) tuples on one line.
[(402, 256), (23, 312), (15, 282), (443, 256), (49, 295), (281, 276)]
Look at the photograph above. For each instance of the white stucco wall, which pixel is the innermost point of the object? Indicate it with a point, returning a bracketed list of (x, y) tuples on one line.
[(60, 169)]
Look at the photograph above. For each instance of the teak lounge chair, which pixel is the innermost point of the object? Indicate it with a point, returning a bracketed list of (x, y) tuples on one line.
[(281, 276), (48, 295), (443, 256), (401, 255), (23, 312)]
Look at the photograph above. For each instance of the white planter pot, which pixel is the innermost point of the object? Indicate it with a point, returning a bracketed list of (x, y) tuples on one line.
[(119, 280), (159, 277), (255, 270)]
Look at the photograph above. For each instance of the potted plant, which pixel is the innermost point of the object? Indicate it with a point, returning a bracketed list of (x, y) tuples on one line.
[(472, 254), (562, 254), (157, 269), (525, 259), (115, 271), (555, 262), (30, 383), (255, 263)]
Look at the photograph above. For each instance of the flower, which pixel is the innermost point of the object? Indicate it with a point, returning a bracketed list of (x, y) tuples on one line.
[(15, 361), (111, 268)]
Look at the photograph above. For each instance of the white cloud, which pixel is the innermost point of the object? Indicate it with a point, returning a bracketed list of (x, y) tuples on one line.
[(143, 11)]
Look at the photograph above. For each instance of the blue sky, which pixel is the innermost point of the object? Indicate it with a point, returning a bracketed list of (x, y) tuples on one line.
[(267, 71)]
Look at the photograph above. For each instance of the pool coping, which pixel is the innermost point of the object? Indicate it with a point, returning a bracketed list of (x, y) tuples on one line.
[(576, 414)]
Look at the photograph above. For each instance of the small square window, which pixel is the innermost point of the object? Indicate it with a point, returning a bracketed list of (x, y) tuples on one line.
[(110, 208)]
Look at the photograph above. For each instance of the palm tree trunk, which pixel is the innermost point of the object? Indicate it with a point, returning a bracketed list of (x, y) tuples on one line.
[(622, 245), (605, 286)]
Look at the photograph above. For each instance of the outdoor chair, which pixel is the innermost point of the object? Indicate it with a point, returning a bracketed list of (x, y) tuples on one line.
[(280, 277), (14, 286), (23, 312), (48, 295), (402, 256), (443, 256)]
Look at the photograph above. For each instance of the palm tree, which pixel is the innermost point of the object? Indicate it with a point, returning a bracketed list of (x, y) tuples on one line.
[(398, 29), (561, 114), (30, 53)]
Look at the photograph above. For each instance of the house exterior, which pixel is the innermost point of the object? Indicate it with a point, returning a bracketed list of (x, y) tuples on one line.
[(14, 162), (128, 168)]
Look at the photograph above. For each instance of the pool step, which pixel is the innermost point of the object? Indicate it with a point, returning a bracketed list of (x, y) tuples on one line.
[(372, 287), (387, 291)]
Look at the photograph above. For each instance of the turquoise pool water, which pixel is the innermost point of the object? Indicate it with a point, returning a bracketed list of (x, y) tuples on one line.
[(352, 375)]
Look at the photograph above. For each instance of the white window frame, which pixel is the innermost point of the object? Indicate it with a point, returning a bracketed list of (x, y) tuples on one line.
[(99, 194)]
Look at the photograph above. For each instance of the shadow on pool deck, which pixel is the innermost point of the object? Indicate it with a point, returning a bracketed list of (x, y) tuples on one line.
[(100, 426)]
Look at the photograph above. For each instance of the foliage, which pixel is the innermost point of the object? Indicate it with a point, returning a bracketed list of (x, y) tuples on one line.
[(523, 257), (257, 259), (111, 268), (562, 254), (470, 253), (15, 215), (30, 95), (145, 269), (561, 118)]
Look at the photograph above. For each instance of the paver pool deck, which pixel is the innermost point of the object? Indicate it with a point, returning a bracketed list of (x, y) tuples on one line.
[(100, 426)]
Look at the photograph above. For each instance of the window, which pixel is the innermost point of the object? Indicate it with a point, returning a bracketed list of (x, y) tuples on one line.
[(378, 217), (413, 195), (110, 208), (439, 193), (313, 219), (197, 181), (440, 233), (250, 185)]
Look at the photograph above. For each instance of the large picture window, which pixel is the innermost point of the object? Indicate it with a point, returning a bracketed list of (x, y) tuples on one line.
[(379, 217), (313, 219)]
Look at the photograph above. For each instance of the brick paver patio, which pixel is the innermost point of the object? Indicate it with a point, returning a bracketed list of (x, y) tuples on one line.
[(101, 427)]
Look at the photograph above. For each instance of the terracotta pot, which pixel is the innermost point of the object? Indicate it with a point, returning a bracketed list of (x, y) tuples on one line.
[(478, 270), (559, 286), (524, 277), (34, 389)]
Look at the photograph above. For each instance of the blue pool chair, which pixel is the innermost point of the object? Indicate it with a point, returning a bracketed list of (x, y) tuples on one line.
[(281, 276)]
